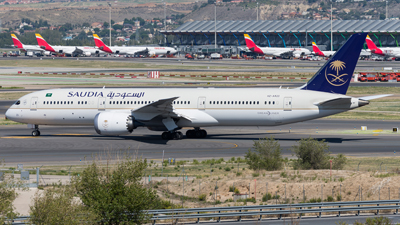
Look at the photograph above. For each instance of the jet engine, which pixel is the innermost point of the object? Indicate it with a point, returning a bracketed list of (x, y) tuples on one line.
[(152, 53), (114, 123), (87, 54), (297, 55)]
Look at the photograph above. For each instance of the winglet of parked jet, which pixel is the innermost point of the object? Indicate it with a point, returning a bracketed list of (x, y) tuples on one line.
[(335, 75), (251, 45), (43, 43), (100, 44), (16, 41)]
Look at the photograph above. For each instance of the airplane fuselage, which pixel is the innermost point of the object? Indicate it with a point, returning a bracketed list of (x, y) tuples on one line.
[(199, 107)]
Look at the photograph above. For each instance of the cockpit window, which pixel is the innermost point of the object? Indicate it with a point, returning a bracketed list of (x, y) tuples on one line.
[(17, 102)]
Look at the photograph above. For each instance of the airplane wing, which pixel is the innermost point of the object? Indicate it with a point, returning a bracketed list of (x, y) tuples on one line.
[(160, 107), (133, 52), (367, 98)]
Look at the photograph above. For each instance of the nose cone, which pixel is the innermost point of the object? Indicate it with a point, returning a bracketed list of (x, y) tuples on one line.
[(8, 114)]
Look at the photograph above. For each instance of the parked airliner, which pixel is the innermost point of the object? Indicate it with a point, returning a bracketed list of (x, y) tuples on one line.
[(318, 52), (275, 51), (132, 50), (118, 111), (30, 49), (385, 52), (69, 50)]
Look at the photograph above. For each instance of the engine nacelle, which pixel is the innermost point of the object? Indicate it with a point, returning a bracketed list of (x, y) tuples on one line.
[(152, 53), (114, 123), (297, 55), (87, 54)]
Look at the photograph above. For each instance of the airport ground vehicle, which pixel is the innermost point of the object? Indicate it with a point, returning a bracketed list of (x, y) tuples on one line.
[(4, 54), (215, 56), (189, 56), (368, 77), (201, 56)]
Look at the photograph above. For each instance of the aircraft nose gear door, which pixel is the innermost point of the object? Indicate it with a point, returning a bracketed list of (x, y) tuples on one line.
[(287, 104), (34, 101), (102, 104), (201, 103)]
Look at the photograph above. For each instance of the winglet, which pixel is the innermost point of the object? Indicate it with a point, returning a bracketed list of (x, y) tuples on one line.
[(251, 45), (100, 44), (335, 75), (43, 43), (16, 41)]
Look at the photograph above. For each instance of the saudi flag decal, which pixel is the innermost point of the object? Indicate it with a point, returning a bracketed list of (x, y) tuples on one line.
[(49, 94)]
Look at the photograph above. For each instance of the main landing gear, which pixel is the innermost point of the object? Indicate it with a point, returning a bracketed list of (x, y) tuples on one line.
[(172, 135), (196, 133), (36, 131)]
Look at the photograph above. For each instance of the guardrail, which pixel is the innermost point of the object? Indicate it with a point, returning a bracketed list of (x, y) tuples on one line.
[(264, 210), (282, 209)]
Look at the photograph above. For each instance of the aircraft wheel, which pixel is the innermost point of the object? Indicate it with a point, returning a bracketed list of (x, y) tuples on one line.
[(190, 134), (203, 133), (35, 133), (178, 135), (198, 134), (166, 135)]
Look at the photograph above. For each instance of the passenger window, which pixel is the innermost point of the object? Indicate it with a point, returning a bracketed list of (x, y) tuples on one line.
[(79, 102), (51, 102), (58, 102), (120, 102), (232, 102), (142, 102), (273, 103), (131, 102), (72, 102), (250, 102), (217, 102), (47, 102), (181, 102), (228, 102), (269, 102), (239, 102), (254, 102), (65, 102), (247, 102), (124, 102), (242, 102), (68, 102), (188, 102), (184, 102), (257, 102), (236, 102), (214, 102), (117, 102), (224, 102), (86, 102)]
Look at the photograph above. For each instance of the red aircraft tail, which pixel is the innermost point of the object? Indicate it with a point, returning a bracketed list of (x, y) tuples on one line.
[(43, 43), (251, 45), (316, 50), (371, 46), (17, 43), (100, 44)]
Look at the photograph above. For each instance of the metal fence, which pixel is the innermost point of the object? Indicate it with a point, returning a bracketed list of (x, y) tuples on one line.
[(267, 210)]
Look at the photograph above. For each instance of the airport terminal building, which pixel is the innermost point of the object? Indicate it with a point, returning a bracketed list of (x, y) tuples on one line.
[(283, 33)]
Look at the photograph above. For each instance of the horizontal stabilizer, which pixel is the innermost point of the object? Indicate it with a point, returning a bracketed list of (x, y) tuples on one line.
[(334, 102), (367, 98)]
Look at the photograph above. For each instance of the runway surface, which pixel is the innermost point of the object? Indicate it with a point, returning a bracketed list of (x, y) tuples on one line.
[(231, 65), (69, 145)]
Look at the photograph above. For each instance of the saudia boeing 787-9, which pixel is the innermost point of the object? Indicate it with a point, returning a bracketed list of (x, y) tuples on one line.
[(118, 111)]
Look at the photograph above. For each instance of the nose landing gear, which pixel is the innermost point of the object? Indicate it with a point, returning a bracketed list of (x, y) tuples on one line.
[(36, 131)]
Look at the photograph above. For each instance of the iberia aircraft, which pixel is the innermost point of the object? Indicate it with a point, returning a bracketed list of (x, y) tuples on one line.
[(385, 52), (274, 51), (119, 111), (123, 50), (318, 52), (27, 48), (69, 50)]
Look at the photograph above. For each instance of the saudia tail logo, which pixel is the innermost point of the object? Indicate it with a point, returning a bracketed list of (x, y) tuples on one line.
[(336, 79)]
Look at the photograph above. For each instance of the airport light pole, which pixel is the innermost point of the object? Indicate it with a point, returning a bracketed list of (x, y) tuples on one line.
[(331, 29), (165, 22), (109, 4), (215, 26), (257, 11)]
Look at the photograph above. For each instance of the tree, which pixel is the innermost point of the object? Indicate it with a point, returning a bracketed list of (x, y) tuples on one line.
[(115, 192), (7, 196), (266, 155), (57, 205), (311, 154)]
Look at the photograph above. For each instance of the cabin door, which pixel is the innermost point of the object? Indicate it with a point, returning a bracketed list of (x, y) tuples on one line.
[(102, 104), (34, 102), (201, 103), (287, 104)]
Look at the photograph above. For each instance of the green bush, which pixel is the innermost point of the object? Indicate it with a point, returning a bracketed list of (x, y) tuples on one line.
[(195, 162), (329, 199), (339, 162), (231, 189), (339, 198), (202, 197), (227, 169), (266, 197), (255, 174), (311, 154), (265, 154), (237, 191)]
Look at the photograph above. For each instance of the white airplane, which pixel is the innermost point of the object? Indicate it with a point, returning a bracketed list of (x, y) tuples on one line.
[(318, 52), (30, 49), (274, 51), (69, 50), (119, 111), (385, 52), (123, 50)]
